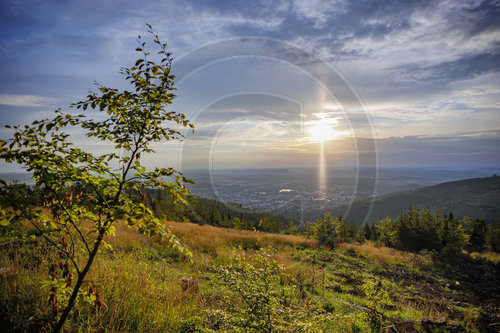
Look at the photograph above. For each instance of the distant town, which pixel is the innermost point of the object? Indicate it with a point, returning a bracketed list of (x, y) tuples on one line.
[(296, 193)]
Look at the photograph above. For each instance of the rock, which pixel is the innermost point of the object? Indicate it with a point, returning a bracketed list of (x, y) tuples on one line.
[(429, 322), (190, 285), (390, 307), (406, 326), (7, 271), (335, 288)]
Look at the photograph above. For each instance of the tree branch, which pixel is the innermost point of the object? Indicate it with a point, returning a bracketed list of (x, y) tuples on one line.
[(76, 228), (55, 245)]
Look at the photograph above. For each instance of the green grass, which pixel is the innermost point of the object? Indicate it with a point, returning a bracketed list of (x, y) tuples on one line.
[(140, 284)]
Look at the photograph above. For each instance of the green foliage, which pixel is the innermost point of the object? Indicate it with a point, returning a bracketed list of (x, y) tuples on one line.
[(452, 235), (10, 226), (493, 237), (237, 223), (388, 232), (418, 229), (268, 298), (327, 229), (375, 294), (476, 229), (85, 195)]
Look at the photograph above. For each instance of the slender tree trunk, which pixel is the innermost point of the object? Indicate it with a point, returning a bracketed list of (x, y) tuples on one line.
[(58, 327)]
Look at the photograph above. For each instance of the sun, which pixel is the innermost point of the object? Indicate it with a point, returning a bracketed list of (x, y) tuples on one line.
[(322, 132)]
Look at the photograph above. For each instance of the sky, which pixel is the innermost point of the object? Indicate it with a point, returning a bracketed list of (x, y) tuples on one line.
[(276, 83)]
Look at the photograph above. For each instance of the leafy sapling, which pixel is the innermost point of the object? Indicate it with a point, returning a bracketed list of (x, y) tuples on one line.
[(84, 194)]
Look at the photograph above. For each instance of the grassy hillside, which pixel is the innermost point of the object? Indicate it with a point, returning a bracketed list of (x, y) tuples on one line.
[(292, 283), (478, 197)]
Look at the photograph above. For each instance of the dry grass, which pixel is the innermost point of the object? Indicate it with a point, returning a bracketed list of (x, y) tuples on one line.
[(208, 239), (215, 241), (126, 238), (212, 241), (160, 304), (489, 256), (139, 295), (140, 279), (21, 296), (386, 255), (284, 259)]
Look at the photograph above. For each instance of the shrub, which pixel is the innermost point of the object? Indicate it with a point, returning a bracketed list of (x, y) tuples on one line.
[(262, 297)]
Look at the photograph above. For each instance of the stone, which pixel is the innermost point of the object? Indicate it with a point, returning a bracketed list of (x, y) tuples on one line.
[(190, 285)]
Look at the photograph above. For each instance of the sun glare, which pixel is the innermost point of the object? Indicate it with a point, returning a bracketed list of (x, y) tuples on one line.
[(322, 132)]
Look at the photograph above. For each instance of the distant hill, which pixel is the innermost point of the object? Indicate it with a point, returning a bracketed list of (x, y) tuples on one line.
[(477, 197)]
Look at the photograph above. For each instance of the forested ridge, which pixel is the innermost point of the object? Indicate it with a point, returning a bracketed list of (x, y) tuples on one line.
[(477, 197)]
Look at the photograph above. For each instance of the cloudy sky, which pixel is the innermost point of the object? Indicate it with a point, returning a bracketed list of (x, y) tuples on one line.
[(271, 83)]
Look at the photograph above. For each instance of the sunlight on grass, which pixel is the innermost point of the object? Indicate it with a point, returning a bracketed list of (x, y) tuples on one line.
[(386, 255), (140, 283), (488, 256)]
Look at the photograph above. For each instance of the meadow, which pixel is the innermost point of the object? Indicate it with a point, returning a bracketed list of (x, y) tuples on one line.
[(242, 280)]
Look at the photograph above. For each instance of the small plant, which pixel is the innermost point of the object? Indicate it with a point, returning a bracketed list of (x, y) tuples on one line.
[(376, 296), (375, 293), (264, 298)]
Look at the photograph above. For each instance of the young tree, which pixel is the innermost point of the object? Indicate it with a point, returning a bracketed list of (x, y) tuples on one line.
[(88, 194), (477, 231), (388, 232), (493, 237), (453, 236), (326, 229)]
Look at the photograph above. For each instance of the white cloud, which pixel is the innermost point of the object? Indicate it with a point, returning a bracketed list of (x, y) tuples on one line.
[(319, 11), (25, 100)]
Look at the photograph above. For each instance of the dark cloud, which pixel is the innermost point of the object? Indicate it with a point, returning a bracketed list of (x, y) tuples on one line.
[(352, 18), (469, 66), (466, 67), (440, 151), (480, 18)]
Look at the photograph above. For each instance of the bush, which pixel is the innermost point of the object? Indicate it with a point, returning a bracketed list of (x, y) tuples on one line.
[(262, 297)]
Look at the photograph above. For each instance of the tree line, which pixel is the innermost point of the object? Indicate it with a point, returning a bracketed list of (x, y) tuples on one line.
[(209, 211), (416, 230)]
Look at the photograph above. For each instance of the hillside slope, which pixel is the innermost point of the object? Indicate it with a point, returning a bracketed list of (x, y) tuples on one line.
[(295, 286), (477, 197)]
